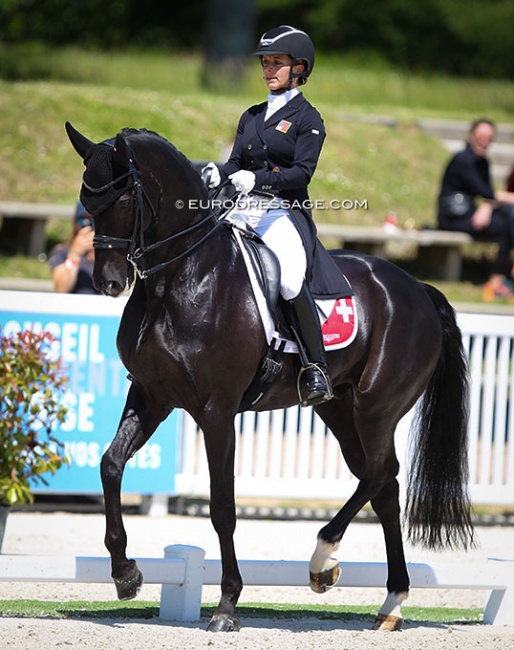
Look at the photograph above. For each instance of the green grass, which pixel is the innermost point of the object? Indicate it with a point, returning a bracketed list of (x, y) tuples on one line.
[(19, 266), (390, 167), (357, 84), (273, 611)]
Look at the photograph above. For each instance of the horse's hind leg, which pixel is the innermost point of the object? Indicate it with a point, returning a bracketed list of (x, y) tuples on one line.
[(136, 427), (375, 465), (387, 507)]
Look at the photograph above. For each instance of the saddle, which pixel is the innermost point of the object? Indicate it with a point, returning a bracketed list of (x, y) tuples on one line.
[(266, 268), (338, 317)]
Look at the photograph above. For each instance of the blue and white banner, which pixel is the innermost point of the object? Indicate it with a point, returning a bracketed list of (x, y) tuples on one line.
[(85, 329)]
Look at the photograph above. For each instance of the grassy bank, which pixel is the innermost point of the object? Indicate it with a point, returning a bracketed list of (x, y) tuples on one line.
[(386, 168), (375, 155), (390, 163)]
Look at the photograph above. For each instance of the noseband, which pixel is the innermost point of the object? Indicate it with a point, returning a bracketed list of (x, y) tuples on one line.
[(136, 250)]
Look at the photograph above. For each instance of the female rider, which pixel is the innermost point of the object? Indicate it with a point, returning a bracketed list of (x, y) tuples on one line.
[(276, 151)]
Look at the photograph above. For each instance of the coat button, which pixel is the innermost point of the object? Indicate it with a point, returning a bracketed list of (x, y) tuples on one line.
[(249, 146)]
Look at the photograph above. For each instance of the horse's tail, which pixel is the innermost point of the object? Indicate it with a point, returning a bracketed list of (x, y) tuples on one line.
[(438, 508)]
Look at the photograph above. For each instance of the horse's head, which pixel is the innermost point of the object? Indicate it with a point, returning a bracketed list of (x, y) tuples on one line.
[(125, 197)]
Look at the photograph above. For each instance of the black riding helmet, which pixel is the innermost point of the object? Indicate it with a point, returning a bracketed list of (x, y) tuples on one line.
[(291, 41)]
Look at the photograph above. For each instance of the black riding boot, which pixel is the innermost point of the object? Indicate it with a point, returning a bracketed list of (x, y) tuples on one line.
[(314, 373)]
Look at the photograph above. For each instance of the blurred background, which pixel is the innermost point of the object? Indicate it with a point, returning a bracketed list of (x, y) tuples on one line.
[(388, 73)]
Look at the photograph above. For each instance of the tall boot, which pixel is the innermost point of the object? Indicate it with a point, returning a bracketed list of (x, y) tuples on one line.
[(314, 375)]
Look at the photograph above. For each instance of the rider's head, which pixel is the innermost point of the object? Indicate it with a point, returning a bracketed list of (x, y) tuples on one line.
[(286, 41)]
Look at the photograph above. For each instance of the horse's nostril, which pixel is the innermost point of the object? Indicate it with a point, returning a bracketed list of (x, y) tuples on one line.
[(112, 289)]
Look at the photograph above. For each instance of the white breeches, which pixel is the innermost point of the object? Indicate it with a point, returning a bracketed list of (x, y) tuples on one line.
[(277, 231)]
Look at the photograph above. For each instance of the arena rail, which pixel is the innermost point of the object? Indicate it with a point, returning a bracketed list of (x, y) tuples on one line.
[(183, 571), (289, 454)]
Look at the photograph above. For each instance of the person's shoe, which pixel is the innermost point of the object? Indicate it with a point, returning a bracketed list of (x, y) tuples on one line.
[(501, 290), (317, 384)]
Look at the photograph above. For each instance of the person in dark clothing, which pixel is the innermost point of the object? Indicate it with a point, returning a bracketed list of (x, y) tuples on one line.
[(467, 202), (276, 150), (509, 183), (72, 263)]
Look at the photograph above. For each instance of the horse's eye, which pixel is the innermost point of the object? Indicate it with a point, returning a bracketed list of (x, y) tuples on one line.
[(124, 200)]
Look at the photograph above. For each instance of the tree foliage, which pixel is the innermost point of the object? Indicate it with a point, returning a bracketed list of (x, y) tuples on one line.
[(465, 37)]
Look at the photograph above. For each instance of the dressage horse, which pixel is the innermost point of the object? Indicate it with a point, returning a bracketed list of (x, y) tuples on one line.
[(191, 337)]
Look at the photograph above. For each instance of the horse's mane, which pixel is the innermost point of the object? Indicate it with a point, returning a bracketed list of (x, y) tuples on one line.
[(129, 132)]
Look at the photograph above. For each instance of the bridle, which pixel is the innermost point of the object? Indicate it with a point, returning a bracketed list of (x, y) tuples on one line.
[(136, 250)]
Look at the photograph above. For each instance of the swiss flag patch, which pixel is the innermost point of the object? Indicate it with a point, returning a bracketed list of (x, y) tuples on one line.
[(340, 328)]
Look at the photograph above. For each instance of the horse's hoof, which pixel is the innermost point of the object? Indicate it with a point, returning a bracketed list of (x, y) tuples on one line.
[(130, 585), (325, 580), (387, 622), (224, 623)]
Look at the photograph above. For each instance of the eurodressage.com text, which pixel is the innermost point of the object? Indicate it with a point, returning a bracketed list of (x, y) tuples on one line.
[(256, 203)]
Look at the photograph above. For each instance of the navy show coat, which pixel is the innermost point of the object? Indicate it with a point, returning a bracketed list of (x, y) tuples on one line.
[(283, 152)]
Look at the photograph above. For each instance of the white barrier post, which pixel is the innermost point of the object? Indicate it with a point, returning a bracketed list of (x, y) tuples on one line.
[(499, 605), (181, 602)]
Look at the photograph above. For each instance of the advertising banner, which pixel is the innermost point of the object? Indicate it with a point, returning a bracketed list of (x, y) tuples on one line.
[(85, 330)]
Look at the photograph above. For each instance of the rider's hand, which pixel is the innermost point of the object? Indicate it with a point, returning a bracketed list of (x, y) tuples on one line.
[(211, 175), (243, 181)]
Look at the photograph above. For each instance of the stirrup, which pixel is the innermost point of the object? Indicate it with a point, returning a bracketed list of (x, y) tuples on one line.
[(314, 398)]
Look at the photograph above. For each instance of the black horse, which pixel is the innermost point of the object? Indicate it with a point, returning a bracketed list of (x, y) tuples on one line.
[(191, 338)]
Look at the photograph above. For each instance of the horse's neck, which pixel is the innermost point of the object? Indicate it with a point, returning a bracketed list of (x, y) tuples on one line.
[(211, 261)]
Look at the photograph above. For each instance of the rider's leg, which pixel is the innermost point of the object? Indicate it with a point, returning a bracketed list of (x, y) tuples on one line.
[(306, 321), (279, 233)]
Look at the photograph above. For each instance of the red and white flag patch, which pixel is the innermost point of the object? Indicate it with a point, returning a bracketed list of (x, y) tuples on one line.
[(340, 328), (283, 126)]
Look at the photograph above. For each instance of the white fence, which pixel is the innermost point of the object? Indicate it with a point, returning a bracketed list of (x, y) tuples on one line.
[(183, 571), (289, 453)]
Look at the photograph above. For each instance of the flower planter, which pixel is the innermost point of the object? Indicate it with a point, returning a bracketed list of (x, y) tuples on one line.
[(4, 511)]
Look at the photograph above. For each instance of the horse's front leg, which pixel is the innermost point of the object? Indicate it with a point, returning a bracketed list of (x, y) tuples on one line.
[(220, 447), (136, 426)]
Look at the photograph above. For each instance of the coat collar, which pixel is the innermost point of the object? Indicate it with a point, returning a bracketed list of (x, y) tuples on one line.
[(287, 110), (283, 113)]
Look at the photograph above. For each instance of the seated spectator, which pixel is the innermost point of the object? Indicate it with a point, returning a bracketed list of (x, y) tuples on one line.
[(468, 203), (72, 263), (509, 184)]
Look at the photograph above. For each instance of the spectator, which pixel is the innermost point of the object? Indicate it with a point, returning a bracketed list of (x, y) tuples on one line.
[(468, 203), (509, 184), (72, 263)]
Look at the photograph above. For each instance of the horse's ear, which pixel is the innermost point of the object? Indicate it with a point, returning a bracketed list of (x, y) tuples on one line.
[(120, 154), (80, 143)]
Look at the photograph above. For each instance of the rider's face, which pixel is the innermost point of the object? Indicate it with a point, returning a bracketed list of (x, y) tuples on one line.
[(275, 71)]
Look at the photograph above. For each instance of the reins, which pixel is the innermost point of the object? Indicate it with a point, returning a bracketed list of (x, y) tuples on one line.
[(139, 253), (135, 252)]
